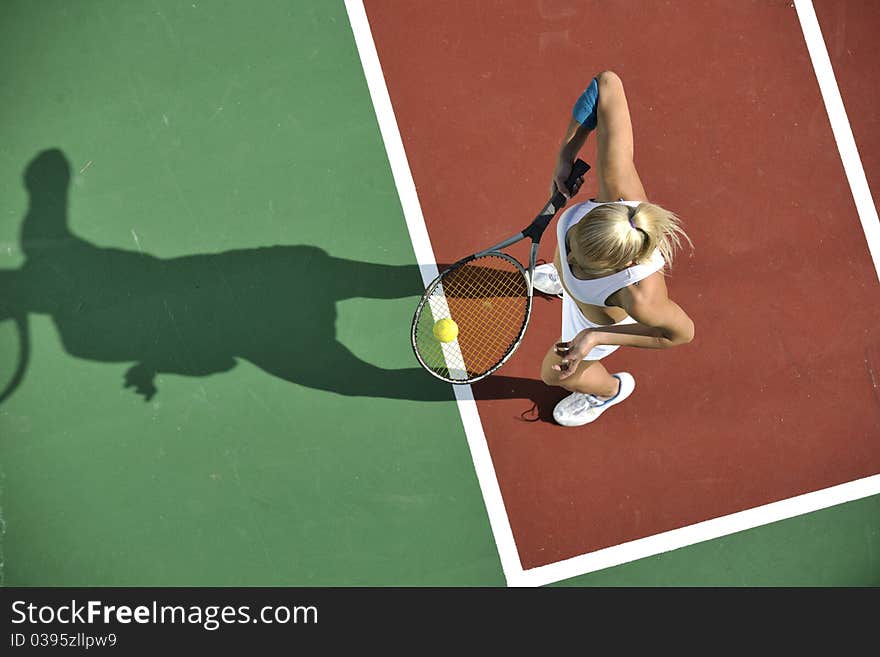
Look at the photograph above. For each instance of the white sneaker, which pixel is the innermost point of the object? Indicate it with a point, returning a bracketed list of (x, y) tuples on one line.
[(581, 408), (546, 280)]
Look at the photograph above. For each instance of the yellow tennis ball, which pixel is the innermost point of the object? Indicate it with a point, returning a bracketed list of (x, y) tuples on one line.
[(446, 330)]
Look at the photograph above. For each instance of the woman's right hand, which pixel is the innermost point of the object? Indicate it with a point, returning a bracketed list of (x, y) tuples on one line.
[(560, 175)]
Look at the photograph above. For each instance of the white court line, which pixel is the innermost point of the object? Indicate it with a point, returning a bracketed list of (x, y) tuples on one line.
[(666, 541), (843, 135), (451, 350), (418, 233), (699, 532)]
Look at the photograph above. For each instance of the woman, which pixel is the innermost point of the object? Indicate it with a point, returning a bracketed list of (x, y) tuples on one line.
[(609, 262)]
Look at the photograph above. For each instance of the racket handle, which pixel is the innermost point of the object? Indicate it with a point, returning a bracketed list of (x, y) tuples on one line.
[(577, 170), (556, 203)]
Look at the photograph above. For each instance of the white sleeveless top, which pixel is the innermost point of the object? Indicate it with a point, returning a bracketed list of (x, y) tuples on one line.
[(597, 290)]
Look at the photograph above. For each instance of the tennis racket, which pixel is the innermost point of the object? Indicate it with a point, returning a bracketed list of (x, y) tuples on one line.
[(489, 297)]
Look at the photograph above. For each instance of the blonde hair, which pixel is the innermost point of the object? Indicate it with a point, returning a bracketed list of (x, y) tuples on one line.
[(611, 236)]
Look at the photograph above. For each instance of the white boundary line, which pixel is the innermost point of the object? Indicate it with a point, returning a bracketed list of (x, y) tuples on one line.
[(451, 350), (418, 233), (677, 538), (843, 135), (699, 532)]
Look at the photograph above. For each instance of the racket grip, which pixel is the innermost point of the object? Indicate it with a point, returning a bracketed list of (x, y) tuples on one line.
[(578, 169), (556, 203)]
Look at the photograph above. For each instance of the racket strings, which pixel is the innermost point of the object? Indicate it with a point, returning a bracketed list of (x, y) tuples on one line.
[(488, 298)]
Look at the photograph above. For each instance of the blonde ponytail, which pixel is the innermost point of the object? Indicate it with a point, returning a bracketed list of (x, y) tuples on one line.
[(612, 236), (663, 229)]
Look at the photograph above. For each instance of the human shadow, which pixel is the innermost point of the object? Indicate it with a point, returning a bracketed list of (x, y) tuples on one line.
[(196, 315)]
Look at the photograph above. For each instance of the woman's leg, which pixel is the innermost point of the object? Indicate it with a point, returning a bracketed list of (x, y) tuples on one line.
[(591, 377), (615, 167)]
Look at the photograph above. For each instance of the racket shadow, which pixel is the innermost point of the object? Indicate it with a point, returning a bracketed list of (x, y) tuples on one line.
[(199, 315), (540, 398)]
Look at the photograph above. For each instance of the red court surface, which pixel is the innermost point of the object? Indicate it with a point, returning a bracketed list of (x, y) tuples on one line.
[(778, 394)]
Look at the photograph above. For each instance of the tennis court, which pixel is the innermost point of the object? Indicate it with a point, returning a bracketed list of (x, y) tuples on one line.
[(214, 234)]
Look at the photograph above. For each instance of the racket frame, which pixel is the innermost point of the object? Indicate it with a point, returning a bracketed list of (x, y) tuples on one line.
[(534, 230), (493, 252)]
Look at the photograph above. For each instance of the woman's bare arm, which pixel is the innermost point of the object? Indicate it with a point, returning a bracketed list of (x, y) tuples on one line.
[(572, 142), (660, 324)]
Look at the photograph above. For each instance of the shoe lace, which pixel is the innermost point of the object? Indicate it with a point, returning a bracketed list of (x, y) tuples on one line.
[(587, 401)]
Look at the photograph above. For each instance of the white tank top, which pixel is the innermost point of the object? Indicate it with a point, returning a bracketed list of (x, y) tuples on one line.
[(597, 290)]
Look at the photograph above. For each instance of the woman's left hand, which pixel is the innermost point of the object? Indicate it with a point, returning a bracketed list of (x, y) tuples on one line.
[(573, 352)]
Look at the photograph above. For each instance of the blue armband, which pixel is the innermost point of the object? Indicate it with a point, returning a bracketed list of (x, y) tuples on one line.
[(585, 108)]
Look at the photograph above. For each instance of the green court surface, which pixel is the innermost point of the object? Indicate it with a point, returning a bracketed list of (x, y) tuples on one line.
[(235, 249)]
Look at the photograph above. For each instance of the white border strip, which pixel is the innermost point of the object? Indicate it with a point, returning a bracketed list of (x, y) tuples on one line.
[(843, 135), (406, 187), (451, 350), (418, 233), (677, 538), (699, 532)]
